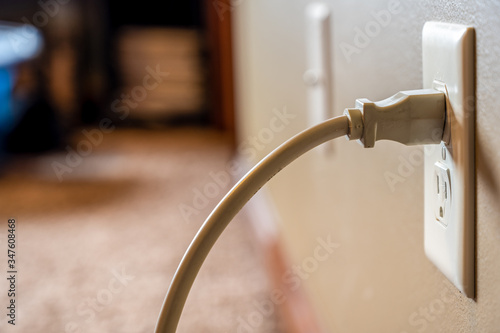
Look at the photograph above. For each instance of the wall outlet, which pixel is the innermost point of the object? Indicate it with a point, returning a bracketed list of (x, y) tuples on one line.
[(449, 168)]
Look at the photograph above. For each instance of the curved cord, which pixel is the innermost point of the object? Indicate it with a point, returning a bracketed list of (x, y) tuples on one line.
[(230, 205)]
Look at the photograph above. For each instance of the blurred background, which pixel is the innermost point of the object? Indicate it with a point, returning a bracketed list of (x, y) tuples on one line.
[(123, 124), (95, 53), (112, 115)]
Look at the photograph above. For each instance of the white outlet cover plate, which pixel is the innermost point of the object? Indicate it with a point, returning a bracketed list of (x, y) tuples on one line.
[(448, 52)]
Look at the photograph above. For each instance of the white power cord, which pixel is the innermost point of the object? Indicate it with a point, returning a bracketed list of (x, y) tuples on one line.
[(410, 117)]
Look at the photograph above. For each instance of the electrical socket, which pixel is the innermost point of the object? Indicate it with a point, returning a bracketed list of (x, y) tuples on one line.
[(449, 170), (442, 194)]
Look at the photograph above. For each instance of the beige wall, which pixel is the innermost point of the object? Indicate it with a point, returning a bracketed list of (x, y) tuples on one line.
[(379, 279)]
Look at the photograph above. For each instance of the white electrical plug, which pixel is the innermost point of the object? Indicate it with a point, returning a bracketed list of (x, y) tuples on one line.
[(410, 117)]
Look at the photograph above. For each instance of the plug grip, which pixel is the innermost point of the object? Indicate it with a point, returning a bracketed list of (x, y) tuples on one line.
[(410, 117)]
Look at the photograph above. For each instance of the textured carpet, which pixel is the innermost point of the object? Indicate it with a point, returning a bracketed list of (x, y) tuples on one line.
[(97, 250)]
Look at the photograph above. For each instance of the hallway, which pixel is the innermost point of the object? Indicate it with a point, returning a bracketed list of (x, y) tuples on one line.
[(97, 245)]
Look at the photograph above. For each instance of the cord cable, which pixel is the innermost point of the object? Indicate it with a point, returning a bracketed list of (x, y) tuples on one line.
[(409, 117), (230, 205)]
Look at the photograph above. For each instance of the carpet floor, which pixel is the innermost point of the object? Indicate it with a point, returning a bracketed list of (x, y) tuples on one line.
[(98, 237)]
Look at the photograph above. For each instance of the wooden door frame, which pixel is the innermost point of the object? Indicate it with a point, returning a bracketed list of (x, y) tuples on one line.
[(218, 15)]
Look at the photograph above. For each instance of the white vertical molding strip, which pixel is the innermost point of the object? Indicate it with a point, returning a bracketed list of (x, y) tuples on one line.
[(318, 76)]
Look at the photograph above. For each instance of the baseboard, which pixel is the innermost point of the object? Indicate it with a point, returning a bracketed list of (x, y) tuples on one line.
[(294, 306)]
